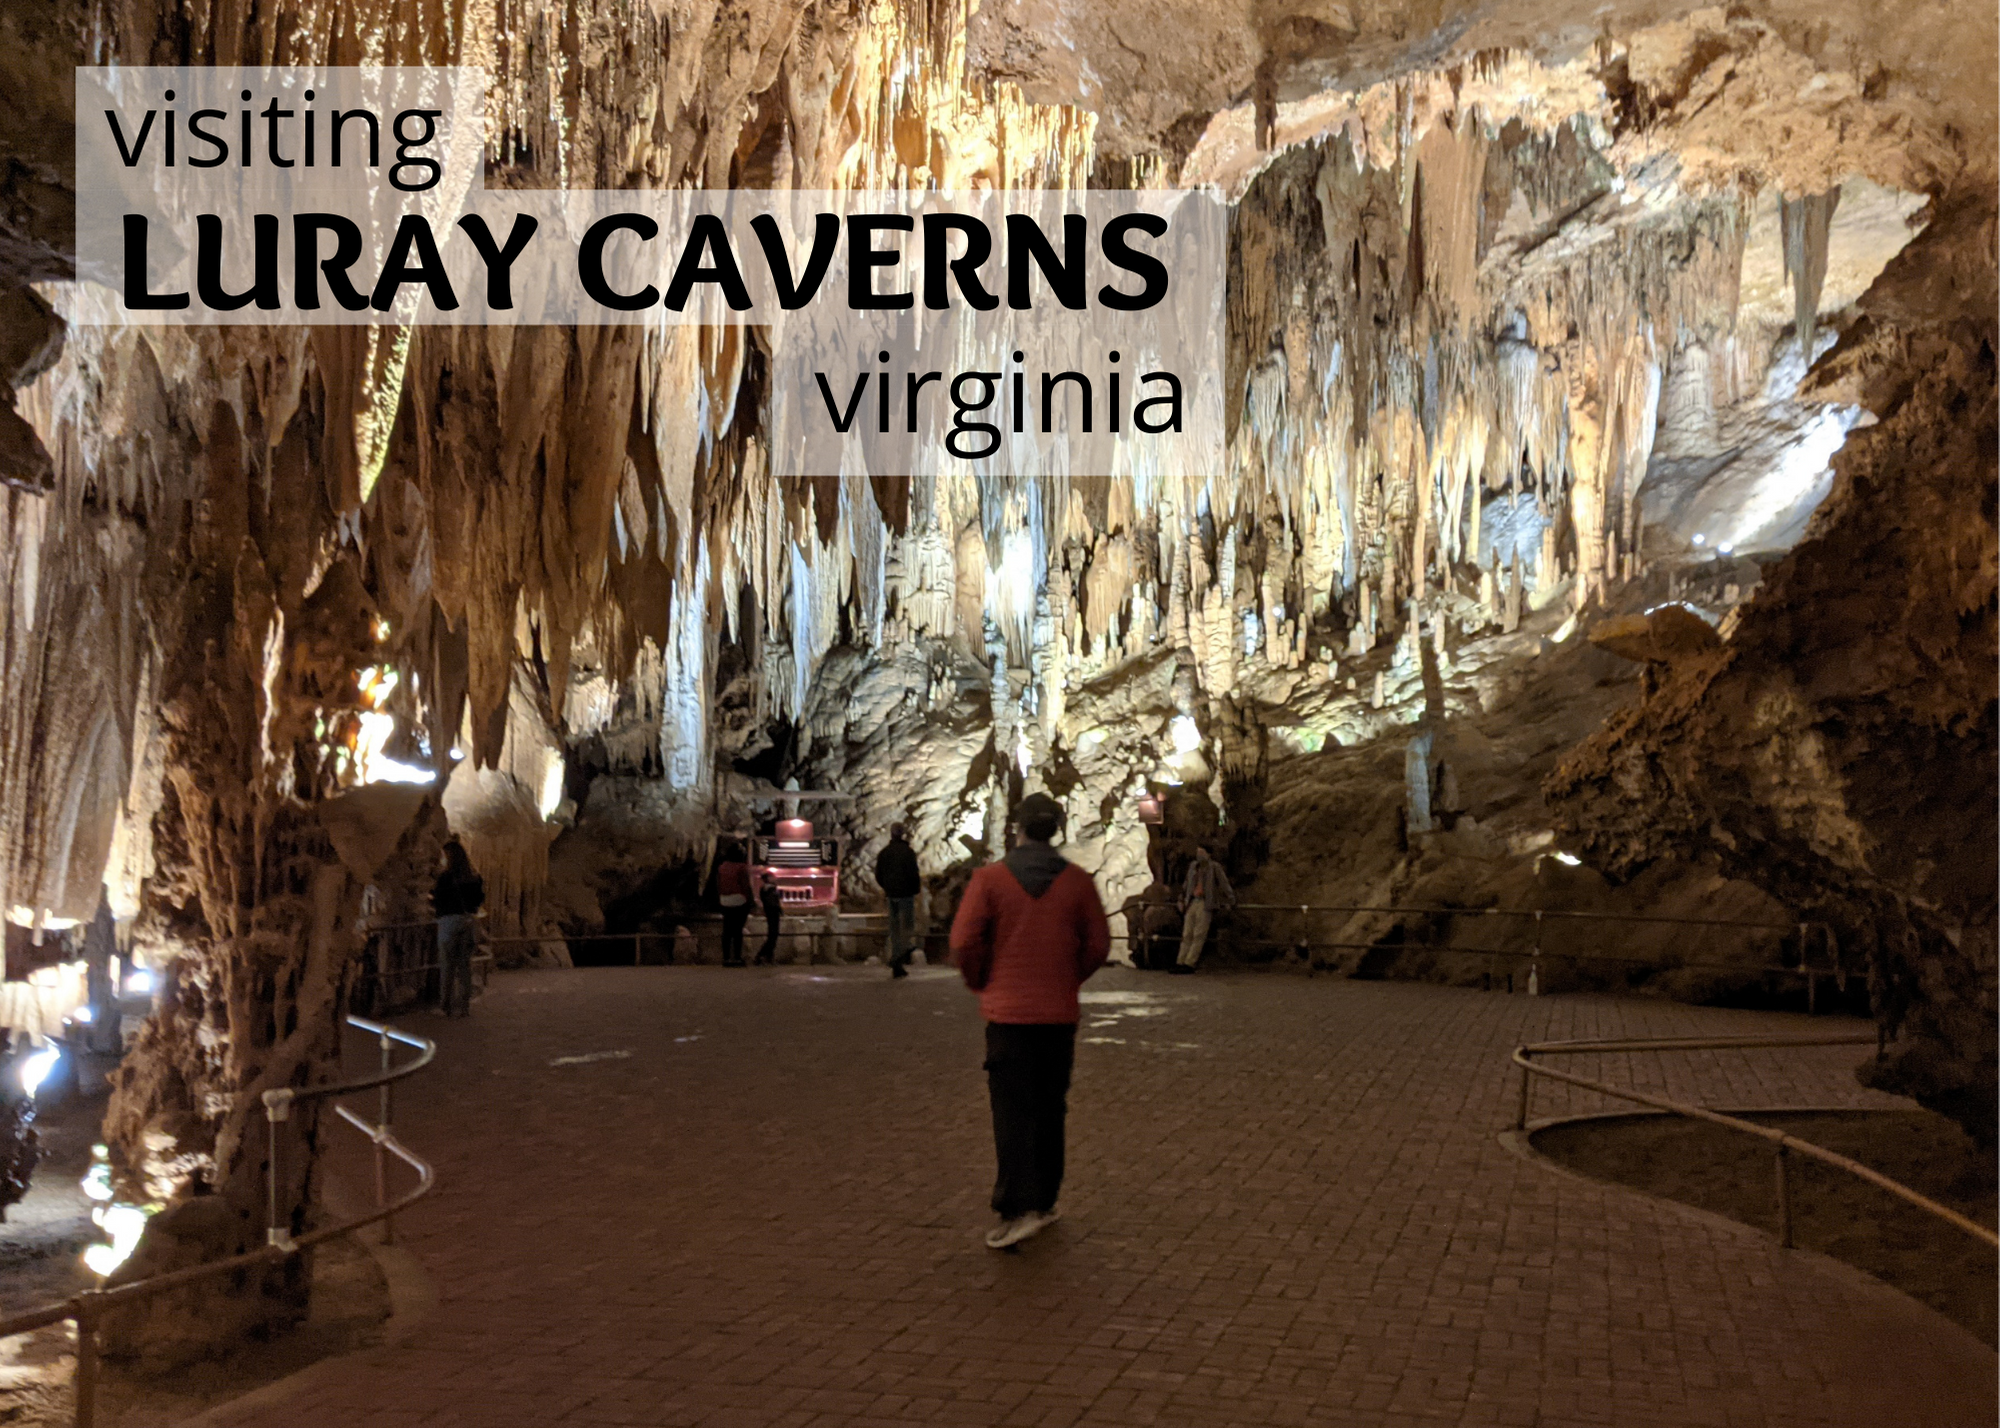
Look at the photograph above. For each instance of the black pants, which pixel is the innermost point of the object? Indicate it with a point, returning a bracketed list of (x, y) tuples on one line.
[(774, 914), (1027, 1077), (733, 919)]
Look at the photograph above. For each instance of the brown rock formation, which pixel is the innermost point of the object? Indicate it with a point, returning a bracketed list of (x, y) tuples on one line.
[(1840, 749)]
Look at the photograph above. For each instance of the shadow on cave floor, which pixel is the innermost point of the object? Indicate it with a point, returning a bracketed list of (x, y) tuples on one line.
[(1729, 1173)]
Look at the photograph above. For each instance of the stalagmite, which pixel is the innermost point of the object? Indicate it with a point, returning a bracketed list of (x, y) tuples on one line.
[(1417, 783)]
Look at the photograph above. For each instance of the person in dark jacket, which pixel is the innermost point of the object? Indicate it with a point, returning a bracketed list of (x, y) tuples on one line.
[(773, 903), (1030, 930), (456, 898), (897, 875), (732, 890)]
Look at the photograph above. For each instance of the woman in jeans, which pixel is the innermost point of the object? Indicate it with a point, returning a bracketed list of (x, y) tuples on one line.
[(456, 898), (732, 890)]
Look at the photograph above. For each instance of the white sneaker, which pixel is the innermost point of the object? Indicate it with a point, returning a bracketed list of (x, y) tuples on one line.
[(1012, 1232)]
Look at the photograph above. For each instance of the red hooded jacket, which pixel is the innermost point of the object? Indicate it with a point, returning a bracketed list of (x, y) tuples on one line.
[(1024, 954)]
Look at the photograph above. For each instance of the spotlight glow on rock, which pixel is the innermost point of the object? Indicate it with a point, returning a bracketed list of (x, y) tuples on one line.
[(36, 1068)]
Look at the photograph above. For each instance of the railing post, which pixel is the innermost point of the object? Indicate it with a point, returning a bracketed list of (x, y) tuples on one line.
[(1535, 965), (1784, 1198), (277, 1107), (386, 1107), (1521, 1116), (636, 961), (86, 1359)]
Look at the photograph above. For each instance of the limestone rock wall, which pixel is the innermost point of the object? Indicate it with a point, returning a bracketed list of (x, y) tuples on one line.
[(1840, 748)]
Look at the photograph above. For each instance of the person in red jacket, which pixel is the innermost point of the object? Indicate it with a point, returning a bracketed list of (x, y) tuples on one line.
[(1030, 930), (733, 889)]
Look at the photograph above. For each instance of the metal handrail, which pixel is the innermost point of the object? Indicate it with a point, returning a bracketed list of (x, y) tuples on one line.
[(89, 1307), (1785, 1144), (637, 939), (1805, 968), (1534, 912)]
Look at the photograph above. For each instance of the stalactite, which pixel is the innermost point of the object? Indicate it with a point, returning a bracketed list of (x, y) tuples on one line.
[(1804, 225)]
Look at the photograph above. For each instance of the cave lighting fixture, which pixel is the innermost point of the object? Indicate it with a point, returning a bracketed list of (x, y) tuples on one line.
[(35, 1069), (97, 1180), (378, 727), (1186, 735), (139, 982), (124, 1223)]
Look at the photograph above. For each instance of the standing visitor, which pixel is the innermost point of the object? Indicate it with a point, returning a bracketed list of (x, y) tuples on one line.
[(774, 912), (732, 890), (1029, 931), (897, 875), (103, 1031), (1206, 892), (456, 899)]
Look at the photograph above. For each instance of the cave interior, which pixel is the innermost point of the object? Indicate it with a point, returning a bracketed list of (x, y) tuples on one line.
[(1606, 525)]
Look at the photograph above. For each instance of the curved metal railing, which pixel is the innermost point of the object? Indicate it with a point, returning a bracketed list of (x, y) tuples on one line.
[(89, 1307), (1808, 934), (1783, 1144)]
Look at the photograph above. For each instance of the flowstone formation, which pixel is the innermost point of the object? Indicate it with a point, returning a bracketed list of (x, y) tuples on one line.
[(1520, 322)]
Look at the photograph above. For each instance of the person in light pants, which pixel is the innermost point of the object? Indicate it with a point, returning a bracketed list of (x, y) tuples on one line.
[(1205, 892)]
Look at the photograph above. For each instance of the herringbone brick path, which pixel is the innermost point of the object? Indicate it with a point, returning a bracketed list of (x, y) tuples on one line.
[(1287, 1205)]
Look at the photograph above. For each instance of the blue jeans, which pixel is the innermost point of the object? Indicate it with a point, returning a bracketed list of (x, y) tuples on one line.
[(458, 939), (902, 929)]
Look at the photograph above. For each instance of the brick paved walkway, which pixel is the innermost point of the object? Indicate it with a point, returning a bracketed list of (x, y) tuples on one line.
[(1287, 1205)]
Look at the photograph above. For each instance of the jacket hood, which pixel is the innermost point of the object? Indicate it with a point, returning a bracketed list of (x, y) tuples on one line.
[(1035, 866)]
